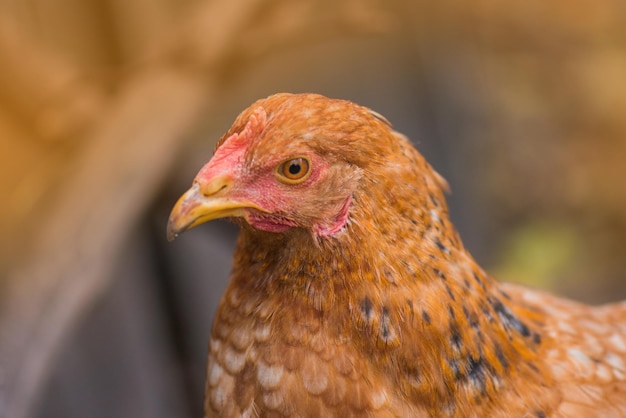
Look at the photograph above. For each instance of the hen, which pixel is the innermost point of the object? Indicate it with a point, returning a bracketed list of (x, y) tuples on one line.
[(352, 295)]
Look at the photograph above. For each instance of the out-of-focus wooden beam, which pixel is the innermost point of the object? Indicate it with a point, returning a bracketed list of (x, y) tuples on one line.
[(124, 159), (45, 91)]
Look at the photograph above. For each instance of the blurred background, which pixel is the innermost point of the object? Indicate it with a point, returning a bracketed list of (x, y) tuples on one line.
[(108, 108)]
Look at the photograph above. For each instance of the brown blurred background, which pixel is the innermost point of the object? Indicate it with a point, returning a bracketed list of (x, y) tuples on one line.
[(108, 108)]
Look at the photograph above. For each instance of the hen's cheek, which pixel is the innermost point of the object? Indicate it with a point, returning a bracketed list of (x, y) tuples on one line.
[(267, 194)]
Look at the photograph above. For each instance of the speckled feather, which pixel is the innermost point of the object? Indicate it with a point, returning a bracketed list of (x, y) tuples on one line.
[(390, 316)]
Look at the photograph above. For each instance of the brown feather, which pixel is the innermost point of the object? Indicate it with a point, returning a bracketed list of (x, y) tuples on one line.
[(390, 316)]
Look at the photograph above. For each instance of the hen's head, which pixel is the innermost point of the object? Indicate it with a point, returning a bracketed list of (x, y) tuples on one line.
[(288, 161)]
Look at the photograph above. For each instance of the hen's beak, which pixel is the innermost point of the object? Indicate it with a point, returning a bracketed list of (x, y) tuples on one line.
[(203, 203)]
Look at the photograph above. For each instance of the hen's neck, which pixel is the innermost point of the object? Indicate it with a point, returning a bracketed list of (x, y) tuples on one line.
[(400, 283)]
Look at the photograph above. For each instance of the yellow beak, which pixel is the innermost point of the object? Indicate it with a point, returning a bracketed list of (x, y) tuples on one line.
[(202, 204)]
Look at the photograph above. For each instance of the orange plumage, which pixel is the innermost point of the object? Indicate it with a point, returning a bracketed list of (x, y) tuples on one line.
[(352, 295)]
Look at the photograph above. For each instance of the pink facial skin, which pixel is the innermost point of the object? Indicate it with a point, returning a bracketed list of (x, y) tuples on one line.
[(228, 175)]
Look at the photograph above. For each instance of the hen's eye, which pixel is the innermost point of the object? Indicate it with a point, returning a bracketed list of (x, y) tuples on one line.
[(294, 170)]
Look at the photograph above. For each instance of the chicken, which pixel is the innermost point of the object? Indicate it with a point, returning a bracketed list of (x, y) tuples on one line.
[(351, 293)]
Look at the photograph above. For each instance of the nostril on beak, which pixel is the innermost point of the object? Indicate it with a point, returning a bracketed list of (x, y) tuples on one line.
[(215, 187)]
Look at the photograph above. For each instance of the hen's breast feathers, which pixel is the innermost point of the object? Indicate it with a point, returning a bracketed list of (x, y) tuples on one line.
[(390, 316)]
